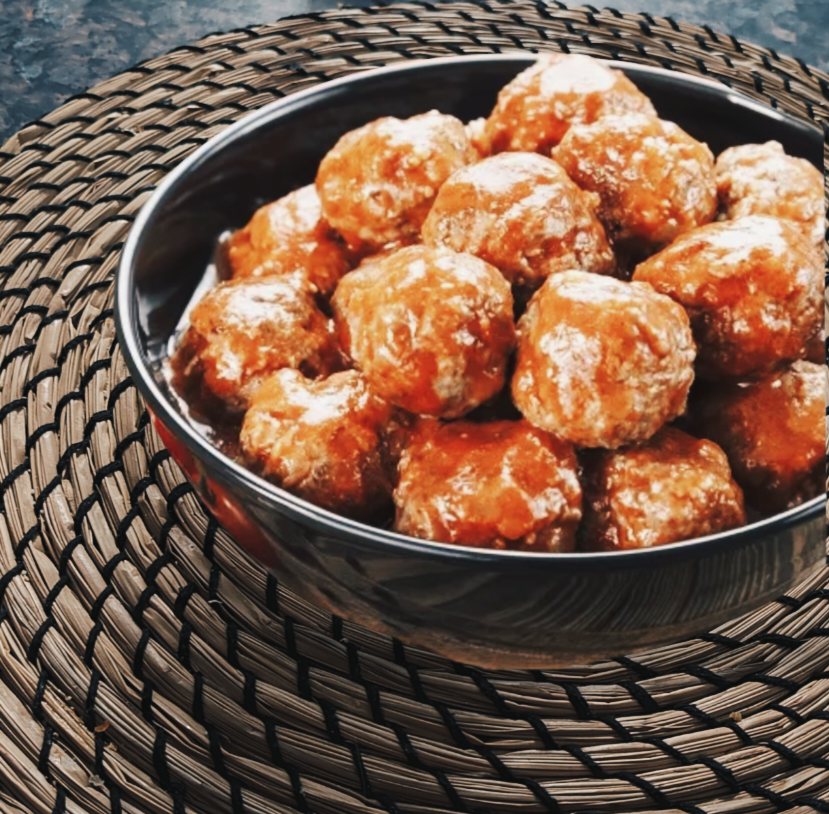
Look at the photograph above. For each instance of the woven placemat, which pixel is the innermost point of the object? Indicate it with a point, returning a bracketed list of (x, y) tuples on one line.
[(148, 666)]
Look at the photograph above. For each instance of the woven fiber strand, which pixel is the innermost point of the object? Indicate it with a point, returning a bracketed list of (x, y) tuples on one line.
[(149, 666)]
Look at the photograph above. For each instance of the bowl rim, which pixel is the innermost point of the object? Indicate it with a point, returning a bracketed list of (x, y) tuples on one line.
[(125, 312)]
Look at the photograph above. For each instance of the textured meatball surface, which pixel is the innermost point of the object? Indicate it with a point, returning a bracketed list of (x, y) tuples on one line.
[(502, 485), (602, 362), (773, 433), (535, 110), (753, 289), (289, 235), (521, 213), (243, 330), (760, 179), (655, 181), (431, 329), (324, 441), (673, 487), (378, 182)]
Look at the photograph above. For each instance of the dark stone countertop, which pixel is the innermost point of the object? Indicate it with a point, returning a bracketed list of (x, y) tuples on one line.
[(51, 49)]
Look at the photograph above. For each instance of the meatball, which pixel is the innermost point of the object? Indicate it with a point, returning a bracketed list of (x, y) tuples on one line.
[(289, 235), (243, 330), (535, 110), (753, 289), (504, 485), (476, 133), (430, 329), (602, 362), (773, 433), (816, 349), (378, 182), (521, 213), (760, 179), (654, 180), (674, 487), (324, 441)]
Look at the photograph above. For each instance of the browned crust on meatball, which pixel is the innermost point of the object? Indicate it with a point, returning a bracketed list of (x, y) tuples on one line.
[(673, 487), (521, 213), (602, 362), (431, 329), (289, 235), (655, 181), (325, 441), (760, 179), (773, 433), (752, 288), (243, 330), (502, 485), (535, 110), (378, 182)]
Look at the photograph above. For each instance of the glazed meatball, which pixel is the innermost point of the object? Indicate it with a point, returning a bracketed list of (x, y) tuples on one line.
[(773, 433), (602, 362), (654, 180), (521, 213), (243, 330), (324, 441), (476, 133), (673, 487), (289, 235), (816, 349), (504, 485), (760, 179), (535, 110), (431, 329), (378, 182), (752, 288)]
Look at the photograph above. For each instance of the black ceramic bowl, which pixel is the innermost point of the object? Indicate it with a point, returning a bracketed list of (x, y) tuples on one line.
[(498, 609)]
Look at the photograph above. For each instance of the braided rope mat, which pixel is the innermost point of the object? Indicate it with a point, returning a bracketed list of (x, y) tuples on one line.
[(148, 666)]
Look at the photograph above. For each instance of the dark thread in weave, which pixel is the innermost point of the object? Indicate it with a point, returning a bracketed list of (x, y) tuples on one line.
[(40, 500), (91, 641), (25, 540), (45, 751), (655, 793), (106, 471), (83, 509), (98, 604), (147, 696), (787, 684), (785, 752), (272, 739), (216, 752), (37, 640), (232, 639), (53, 594), (642, 697), (40, 693), (249, 703), (780, 802), (709, 676), (624, 734), (711, 722), (91, 697), (723, 773), (60, 800), (183, 649), (138, 657), (636, 667), (112, 564)]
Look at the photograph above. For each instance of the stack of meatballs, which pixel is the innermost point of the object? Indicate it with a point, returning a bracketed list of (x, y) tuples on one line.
[(495, 327)]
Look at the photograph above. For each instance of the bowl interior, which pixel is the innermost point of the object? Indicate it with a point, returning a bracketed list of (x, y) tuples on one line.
[(278, 149)]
